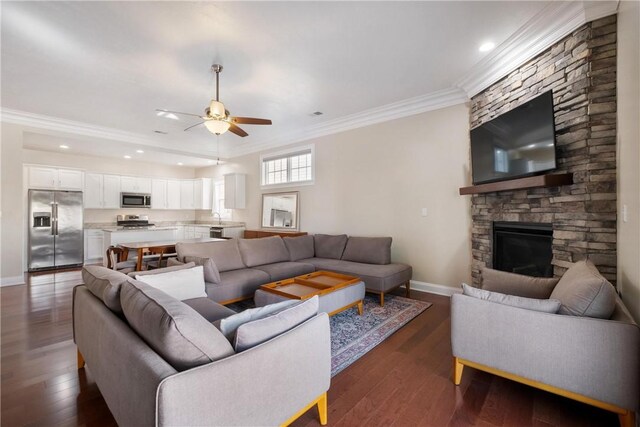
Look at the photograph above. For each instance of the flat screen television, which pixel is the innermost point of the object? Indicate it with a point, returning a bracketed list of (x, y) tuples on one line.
[(518, 143)]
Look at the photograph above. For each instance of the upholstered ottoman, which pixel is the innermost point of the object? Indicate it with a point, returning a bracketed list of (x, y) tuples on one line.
[(331, 303)]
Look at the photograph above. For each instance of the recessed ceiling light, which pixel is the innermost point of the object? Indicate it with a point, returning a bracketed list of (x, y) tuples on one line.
[(180, 163), (161, 132), (139, 151), (209, 161), (171, 116), (486, 47), (317, 113), (127, 156), (64, 147)]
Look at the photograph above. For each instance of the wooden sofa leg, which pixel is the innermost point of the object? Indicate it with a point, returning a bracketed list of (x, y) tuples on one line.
[(627, 419), (381, 299), (457, 371), (360, 308), (322, 409), (80, 360), (407, 287)]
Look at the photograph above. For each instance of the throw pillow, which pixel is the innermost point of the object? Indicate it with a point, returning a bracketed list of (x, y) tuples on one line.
[(181, 284), (258, 331), (543, 305), (327, 246), (583, 291), (370, 250), (211, 273), (517, 284), (229, 325), (300, 247), (174, 330)]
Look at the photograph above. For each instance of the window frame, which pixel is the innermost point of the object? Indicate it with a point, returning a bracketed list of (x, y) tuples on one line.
[(228, 213), (288, 154)]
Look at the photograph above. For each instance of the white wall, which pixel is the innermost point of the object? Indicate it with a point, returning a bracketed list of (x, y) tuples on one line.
[(12, 223), (629, 154), (375, 180)]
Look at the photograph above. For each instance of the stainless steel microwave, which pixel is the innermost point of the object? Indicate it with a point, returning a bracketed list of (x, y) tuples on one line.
[(135, 200)]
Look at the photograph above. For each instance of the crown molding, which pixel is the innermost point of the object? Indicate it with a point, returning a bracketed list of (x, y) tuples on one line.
[(551, 24), (405, 108)]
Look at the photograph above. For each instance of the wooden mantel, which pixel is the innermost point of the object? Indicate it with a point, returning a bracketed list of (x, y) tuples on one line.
[(549, 180)]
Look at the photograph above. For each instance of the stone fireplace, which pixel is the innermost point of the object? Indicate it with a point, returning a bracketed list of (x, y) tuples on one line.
[(581, 71), (523, 248)]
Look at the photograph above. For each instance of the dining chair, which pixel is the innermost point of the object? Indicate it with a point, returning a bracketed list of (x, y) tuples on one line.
[(115, 262)]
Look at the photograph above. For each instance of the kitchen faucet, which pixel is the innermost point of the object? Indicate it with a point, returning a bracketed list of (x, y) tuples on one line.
[(219, 217)]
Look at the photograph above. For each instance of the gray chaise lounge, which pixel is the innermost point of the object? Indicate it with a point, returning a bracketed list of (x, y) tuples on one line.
[(117, 323), (592, 360), (245, 264)]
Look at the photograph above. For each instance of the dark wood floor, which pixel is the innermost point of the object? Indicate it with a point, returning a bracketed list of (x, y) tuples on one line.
[(405, 381)]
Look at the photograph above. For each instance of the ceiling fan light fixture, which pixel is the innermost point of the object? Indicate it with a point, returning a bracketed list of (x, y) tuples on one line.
[(216, 109), (217, 126)]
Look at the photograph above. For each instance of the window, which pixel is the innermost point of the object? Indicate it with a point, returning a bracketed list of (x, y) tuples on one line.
[(289, 168), (218, 200)]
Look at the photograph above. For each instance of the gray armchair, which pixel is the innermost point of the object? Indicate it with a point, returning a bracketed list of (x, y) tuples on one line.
[(587, 359)]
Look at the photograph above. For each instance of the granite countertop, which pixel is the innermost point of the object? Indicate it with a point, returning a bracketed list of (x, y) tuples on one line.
[(161, 225)]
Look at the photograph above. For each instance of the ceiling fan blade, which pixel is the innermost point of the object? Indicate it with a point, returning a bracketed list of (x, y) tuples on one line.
[(250, 121), (235, 129), (192, 126), (179, 112)]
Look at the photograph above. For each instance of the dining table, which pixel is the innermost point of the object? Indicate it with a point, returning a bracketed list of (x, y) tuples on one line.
[(167, 246)]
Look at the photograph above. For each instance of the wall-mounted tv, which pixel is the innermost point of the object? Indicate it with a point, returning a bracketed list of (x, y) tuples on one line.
[(518, 143)]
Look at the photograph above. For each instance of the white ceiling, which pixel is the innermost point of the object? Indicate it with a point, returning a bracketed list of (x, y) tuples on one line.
[(100, 69)]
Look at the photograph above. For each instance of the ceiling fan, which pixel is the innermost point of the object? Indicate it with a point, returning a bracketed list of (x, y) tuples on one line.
[(216, 118)]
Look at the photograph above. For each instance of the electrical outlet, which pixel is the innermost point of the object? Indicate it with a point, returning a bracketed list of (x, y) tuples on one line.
[(624, 213), (424, 211)]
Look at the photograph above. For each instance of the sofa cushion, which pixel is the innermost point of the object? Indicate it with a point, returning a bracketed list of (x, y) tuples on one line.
[(583, 291), (210, 310), (265, 250), (173, 329), (169, 268), (105, 284), (299, 247), (286, 270), (370, 250), (181, 284), (378, 278), (211, 273), (225, 254), (517, 284), (258, 331), (236, 284), (328, 246), (543, 305), (230, 324)]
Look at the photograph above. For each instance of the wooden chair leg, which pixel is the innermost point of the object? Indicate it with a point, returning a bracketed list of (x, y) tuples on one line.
[(360, 308), (381, 299), (628, 419), (80, 360), (457, 371), (322, 409), (407, 287)]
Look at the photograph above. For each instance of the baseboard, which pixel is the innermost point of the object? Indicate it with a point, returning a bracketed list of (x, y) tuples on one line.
[(432, 288), (12, 281)]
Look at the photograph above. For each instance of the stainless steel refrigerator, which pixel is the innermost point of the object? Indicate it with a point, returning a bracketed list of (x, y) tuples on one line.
[(56, 237)]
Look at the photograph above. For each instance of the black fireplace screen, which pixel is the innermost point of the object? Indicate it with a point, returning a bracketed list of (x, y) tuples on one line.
[(523, 248)]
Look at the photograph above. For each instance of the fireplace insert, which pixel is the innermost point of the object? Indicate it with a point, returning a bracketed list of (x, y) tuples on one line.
[(523, 248)]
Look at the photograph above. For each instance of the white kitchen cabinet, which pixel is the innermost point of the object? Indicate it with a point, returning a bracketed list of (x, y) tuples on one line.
[(93, 245), (101, 191), (189, 232), (234, 191), (186, 194), (179, 232), (200, 232), (197, 194), (159, 194), (173, 194), (93, 191), (111, 191), (134, 184), (55, 179)]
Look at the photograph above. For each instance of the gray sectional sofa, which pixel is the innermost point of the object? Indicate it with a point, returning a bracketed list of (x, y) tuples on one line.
[(161, 362), (236, 268)]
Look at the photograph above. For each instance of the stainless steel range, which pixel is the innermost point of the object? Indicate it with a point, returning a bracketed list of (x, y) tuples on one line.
[(134, 222)]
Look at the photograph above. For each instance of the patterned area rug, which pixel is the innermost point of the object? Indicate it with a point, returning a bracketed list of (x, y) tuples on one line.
[(352, 336)]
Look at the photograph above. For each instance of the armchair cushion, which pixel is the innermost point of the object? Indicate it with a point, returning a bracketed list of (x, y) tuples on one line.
[(517, 284), (211, 273), (543, 305), (583, 291), (370, 250), (173, 329)]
